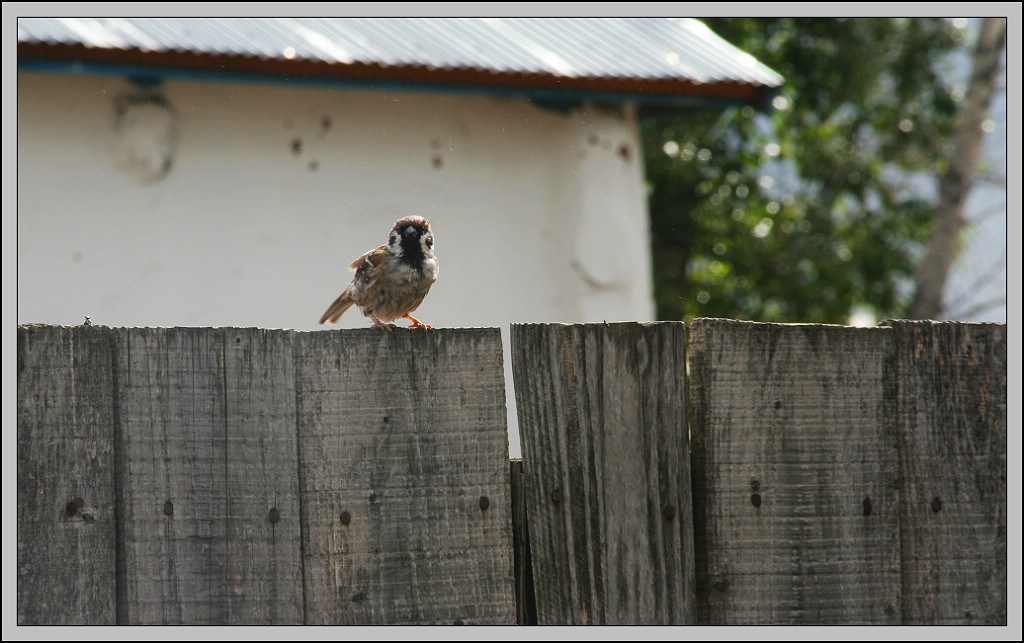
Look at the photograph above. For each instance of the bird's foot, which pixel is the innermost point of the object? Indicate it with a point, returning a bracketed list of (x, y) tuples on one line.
[(416, 323), (379, 324)]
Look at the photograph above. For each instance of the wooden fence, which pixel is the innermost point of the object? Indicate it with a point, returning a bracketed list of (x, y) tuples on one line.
[(801, 474)]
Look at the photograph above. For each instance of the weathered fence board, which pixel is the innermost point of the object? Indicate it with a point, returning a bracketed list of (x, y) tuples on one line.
[(171, 455), (207, 450), (66, 516), (217, 476), (795, 474), (606, 471), (526, 599), (951, 410), (264, 563), (404, 473)]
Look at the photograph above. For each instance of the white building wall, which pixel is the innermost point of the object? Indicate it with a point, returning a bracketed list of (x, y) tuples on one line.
[(274, 189)]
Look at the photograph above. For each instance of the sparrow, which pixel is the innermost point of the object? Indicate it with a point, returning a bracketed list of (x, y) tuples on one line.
[(392, 280)]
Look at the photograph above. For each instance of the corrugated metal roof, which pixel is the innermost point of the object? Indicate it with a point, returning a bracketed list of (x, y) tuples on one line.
[(645, 50)]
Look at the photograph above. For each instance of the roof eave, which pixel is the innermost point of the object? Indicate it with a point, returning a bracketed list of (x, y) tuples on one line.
[(669, 94)]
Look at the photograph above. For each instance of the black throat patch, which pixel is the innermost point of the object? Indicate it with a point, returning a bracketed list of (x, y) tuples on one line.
[(412, 252)]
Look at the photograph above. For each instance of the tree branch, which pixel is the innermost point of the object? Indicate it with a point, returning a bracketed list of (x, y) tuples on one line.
[(956, 182)]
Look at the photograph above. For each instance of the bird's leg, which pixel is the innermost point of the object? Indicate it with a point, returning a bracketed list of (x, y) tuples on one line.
[(416, 323), (378, 324)]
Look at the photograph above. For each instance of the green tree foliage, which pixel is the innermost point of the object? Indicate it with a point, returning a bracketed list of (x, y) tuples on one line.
[(810, 212)]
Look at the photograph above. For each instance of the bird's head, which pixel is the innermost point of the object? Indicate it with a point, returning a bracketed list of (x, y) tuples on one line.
[(411, 237)]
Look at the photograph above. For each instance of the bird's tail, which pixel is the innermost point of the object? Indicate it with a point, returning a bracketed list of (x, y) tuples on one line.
[(340, 305)]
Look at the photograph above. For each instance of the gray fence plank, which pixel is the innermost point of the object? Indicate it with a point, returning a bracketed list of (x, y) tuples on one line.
[(526, 602), (795, 474), (952, 421), (206, 450), (171, 473), (264, 563), (602, 418), (404, 476), (66, 511)]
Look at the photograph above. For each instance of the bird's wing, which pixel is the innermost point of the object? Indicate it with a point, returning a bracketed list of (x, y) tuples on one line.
[(370, 259), (366, 273)]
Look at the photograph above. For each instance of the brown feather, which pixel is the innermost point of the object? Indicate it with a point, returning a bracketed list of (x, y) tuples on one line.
[(340, 305), (372, 258)]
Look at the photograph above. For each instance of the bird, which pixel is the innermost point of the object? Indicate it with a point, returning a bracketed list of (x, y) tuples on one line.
[(391, 280)]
